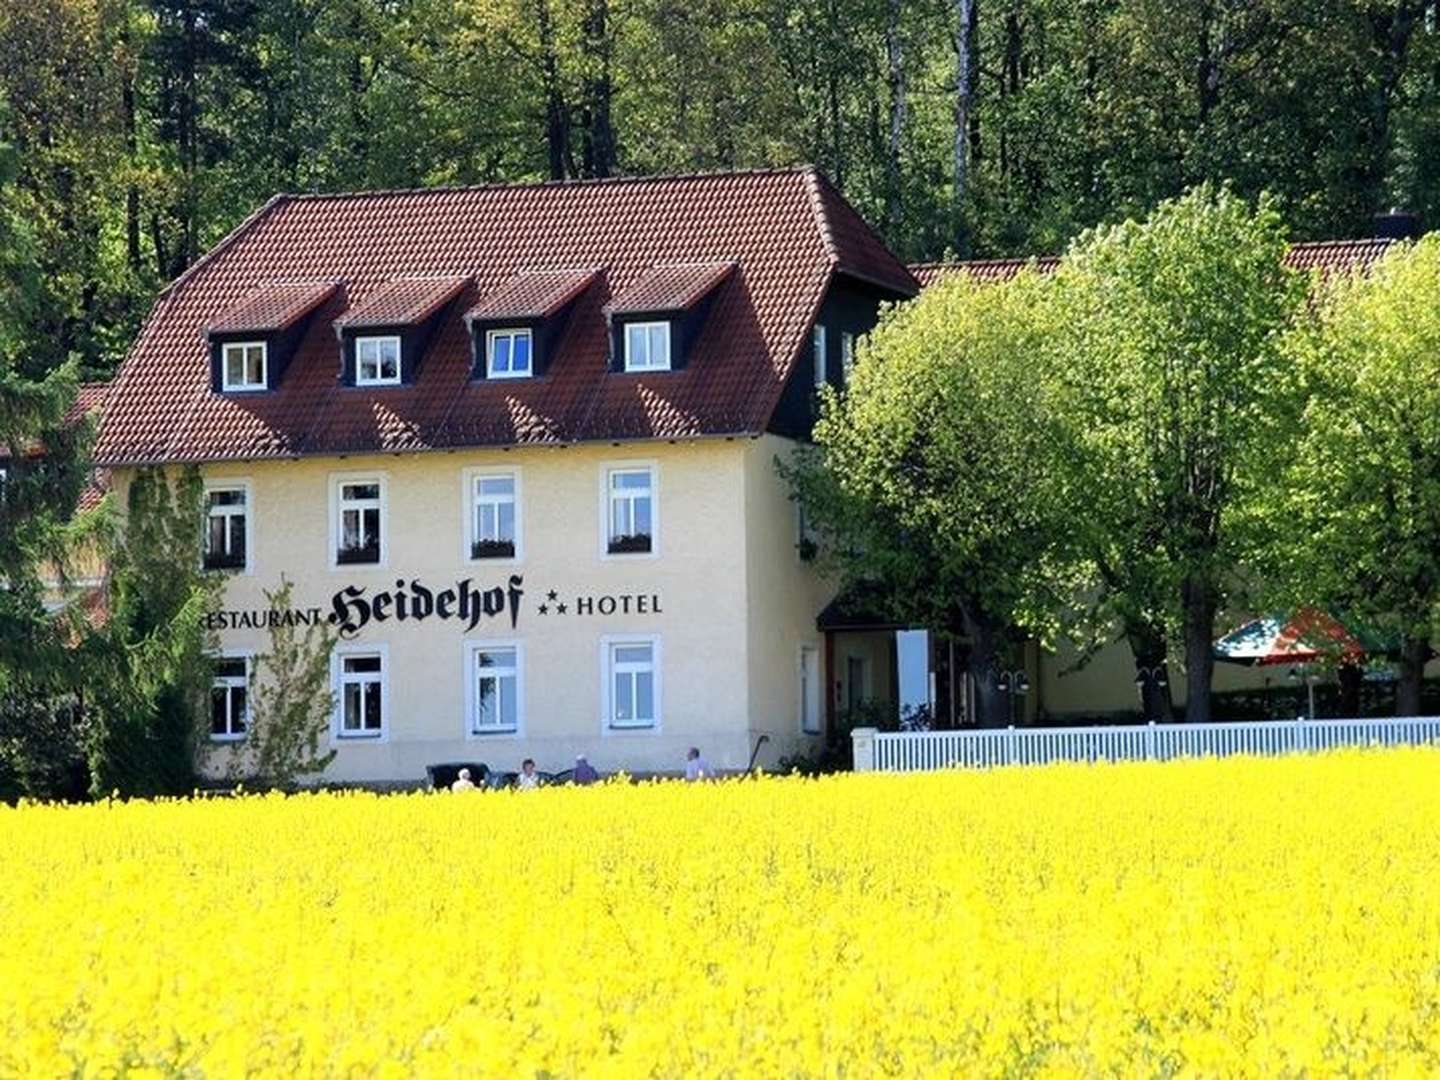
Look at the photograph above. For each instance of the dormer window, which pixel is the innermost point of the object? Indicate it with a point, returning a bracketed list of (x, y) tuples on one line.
[(647, 346), (243, 365), (507, 353), (377, 361)]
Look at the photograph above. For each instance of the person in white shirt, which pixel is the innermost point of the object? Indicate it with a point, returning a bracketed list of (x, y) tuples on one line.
[(462, 782), (695, 766), (528, 777)]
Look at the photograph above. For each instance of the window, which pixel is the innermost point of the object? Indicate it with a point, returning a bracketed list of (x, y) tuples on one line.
[(494, 526), (243, 365), (630, 511), (227, 527), (817, 345), (810, 690), (632, 682), (494, 689), (229, 699), (847, 354), (647, 346), (362, 695), (507, 354), (377, 361), (359, 509)]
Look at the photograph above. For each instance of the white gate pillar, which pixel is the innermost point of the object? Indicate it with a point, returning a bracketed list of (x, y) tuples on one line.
[(862, 741)]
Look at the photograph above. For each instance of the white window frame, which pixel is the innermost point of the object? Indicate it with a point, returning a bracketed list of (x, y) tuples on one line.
[(471, 648), (606, 470), (819, 347), (847, 354), (220, 483), (337, 505), (608, 644), (379, 340), (230, 682), (468, 479), (816, 693), (649, 365), (244, 387), (512, 332), (337, 687)]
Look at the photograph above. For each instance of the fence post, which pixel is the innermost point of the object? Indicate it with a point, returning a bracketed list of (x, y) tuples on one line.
[(862, 743), (1010, 744), (1150, 742)]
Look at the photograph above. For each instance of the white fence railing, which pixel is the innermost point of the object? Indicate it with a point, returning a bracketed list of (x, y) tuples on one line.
[(916, 751)]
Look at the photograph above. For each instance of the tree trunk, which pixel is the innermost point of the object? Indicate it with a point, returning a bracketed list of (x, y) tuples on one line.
[(1349, 676), (557, 120), (966, 16), (599, 89), (894, 197), (132, 189), (1198, 598), (992, 708), (1150, 649), (1413, 654)]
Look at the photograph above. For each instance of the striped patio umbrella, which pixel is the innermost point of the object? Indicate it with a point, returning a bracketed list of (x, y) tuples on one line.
[(1307, 635)]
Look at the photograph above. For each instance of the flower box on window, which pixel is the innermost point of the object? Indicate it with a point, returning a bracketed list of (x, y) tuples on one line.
[(492, 549), (224, 560), (637, 543), (361, 553)]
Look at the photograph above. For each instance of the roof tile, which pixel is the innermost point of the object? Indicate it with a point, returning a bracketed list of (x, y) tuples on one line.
[(533, 294), (403, 301), (273, 307), (670, 287)]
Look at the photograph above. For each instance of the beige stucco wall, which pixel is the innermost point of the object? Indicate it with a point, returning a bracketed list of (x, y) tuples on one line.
[(735, 601)]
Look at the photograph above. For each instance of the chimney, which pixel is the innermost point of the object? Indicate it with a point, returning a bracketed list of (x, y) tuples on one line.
[(1397, 225)]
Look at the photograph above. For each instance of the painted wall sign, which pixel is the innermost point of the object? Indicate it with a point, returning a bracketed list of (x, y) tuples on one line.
[(355, 607)]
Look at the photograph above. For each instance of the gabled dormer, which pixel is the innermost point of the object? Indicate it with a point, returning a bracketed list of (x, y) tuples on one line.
[(252, 344), (514, 329), (383, 337), (655, 321)]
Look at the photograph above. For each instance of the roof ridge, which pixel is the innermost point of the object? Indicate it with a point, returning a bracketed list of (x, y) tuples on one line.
[(590, 181), (822, 219)]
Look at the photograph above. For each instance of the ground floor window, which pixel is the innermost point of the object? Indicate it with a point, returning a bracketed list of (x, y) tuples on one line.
[(495, 683), (632, 682), (362, 695), (229, 699)]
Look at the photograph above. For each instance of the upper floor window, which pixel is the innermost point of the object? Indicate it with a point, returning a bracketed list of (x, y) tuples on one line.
[(359, 512), (229, 698), (494, 530), (817, 347), (630, 511), (243, 365), (507, 354), (377, 361), (847, 354), (227, 527), (647, 346), (361, 703)]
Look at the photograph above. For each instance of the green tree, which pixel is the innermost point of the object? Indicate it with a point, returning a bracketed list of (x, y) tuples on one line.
[(291, 702), (1355, 515), (932, 481), (1178, 397), (151, 668)]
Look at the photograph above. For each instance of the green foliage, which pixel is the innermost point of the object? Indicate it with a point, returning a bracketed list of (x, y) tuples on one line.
[(1354, 514), (1177, 394), (932, 481), (291, 702), (151, 665)]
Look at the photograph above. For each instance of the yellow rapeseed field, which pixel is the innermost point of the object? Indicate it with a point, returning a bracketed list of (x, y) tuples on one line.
[(1245, 916)]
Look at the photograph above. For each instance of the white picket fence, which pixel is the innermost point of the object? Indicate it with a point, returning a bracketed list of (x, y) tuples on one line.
[(917, 751)]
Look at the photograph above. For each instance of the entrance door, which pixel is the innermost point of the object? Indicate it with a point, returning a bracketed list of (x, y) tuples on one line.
[(855, 681)]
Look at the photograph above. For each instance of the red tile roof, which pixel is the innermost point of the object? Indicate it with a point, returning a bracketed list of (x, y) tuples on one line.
[(788, 232), (533, 294), (274, 307), (403, 302), (1327, 256), (670, 287)]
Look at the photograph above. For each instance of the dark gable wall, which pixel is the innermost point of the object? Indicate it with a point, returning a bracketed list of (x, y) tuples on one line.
[(849, 305)]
